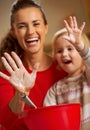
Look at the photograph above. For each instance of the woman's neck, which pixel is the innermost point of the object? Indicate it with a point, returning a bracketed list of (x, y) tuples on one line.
[(44, 60)]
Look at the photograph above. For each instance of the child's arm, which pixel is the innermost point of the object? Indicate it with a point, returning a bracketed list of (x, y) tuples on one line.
[(85, 53), (75, 37), (50, 98)]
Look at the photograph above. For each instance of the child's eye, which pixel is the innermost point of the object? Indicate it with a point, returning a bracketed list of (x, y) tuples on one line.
[(59, 51), (69, 49)]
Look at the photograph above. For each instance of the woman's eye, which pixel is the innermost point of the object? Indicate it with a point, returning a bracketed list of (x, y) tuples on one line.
[(21, 26), (36, 24)]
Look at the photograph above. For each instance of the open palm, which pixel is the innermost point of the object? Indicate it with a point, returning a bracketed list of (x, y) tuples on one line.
[(19, 77), (74, 32)]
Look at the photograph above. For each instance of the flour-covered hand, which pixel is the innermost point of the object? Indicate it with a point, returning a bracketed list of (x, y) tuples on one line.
[(19, 77), (74, 32)]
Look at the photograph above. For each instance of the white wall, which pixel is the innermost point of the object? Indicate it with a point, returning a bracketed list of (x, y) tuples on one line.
[(56, 11)]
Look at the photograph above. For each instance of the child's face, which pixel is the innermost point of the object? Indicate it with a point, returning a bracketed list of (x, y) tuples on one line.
[(67, 57)]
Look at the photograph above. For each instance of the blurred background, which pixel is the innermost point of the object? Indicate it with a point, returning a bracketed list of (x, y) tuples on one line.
[(56, 11)]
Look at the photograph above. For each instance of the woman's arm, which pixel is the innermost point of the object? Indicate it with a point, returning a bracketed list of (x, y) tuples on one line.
[(7, 117), (21, 80)]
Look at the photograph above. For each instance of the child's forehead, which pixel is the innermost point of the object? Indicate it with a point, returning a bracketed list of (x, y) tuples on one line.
[(61, 39)]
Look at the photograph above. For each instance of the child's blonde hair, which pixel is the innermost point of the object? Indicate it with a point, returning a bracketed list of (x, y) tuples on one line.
[(56, 35)]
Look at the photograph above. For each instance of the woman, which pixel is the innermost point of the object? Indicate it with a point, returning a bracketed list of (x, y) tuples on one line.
[(24, 44)]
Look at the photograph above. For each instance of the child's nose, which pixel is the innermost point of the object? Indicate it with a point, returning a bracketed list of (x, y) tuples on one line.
[(65, 53)]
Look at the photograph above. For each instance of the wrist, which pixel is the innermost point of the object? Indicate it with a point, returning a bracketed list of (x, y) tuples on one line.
[(27, 100), (84, 51), (16, 104), (80, 46)]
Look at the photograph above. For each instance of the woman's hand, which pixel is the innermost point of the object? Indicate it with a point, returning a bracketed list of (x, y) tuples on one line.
[(19, 77), (74, 32), (16, 104)]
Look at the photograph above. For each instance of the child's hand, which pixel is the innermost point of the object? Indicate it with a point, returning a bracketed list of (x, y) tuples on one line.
[(19, 77), (74, 32)]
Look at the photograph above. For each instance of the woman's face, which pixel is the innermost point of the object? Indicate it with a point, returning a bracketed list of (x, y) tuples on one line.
[(29, 29)]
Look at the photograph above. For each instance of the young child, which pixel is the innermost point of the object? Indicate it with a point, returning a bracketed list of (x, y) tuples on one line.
[(73, 56)]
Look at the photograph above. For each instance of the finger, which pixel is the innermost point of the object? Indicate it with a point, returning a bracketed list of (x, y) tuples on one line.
[(17, 59), (4, 76), (66, 37), (67, 26), (71, 22), (6, 65), (82, 26), (34, 72), (75, 22), (10, 61)]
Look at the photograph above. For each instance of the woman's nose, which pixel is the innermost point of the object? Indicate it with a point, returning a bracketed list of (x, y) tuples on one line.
[(30, 30)]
